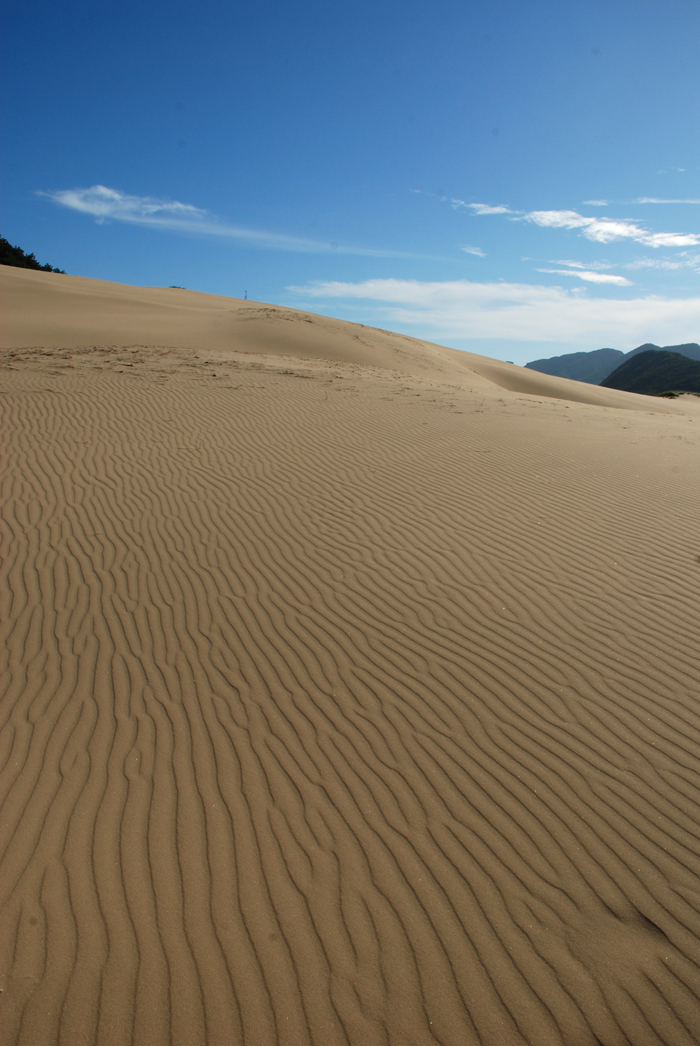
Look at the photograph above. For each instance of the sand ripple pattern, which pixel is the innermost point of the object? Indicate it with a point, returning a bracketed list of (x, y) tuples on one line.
[(341, 711)]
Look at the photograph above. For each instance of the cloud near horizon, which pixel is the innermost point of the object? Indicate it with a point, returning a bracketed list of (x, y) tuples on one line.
[(591, 276), (463, 310), (105, 204)]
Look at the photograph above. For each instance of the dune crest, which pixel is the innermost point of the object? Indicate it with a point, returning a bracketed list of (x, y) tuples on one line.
[(46, 309), (348, 698)]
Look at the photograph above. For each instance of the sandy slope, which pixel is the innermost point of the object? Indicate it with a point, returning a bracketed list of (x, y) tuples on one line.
[(351, 687), (48, 310)]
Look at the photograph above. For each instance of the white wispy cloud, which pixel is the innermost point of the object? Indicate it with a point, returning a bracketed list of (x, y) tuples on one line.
[(683, 261), (608, 230), (578, 264), (600, 230), (105, 204), (475, 250), (461, 310), (680, 260), (590, 276), (596, 229), (456, 204), (486, 208), (654, 199)]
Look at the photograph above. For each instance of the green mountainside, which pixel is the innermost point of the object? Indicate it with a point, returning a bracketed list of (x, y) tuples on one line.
[(593, 367), (655, 372), (10, 255)]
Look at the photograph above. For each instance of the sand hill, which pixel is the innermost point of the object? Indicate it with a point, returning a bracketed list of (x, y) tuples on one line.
[(350, 693)]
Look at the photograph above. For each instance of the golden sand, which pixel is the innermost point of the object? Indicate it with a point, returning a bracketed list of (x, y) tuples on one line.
[(351, 686)]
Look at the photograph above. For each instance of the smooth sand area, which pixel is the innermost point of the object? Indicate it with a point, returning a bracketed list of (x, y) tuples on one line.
[(351, 692)]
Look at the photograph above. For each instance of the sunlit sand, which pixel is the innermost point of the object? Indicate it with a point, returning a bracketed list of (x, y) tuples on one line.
[(351, 686)]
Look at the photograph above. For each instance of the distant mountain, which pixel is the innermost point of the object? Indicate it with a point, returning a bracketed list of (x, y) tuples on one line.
[(10, 255), (593, 367), (691, 349), (654, 372)]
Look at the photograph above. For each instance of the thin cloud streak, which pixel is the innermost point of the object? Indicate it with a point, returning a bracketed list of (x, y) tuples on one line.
[(590, 276), (485, 208), (599, 230), (682, 260), (580, 265), (654, 199), (461, 310), (654, 263), (457, 204), (105, 204), (607, 230)]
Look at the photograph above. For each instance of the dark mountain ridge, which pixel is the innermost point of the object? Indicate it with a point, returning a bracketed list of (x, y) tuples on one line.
[(691, 350), (590, 367), (655, 372), (594, 367)]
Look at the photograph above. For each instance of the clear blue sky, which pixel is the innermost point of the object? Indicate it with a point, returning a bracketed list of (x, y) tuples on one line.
[(476, 173)]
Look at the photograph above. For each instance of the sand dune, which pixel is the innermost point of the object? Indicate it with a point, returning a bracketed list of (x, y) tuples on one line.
[(351, 687), (49, 310)]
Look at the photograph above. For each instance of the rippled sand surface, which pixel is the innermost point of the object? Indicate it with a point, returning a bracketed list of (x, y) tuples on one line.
[(351, 687)]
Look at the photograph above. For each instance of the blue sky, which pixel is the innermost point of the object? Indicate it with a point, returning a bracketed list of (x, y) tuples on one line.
[(517, 179)]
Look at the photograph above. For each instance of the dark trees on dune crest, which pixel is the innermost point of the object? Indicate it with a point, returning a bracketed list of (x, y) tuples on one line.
[(10, 255)]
